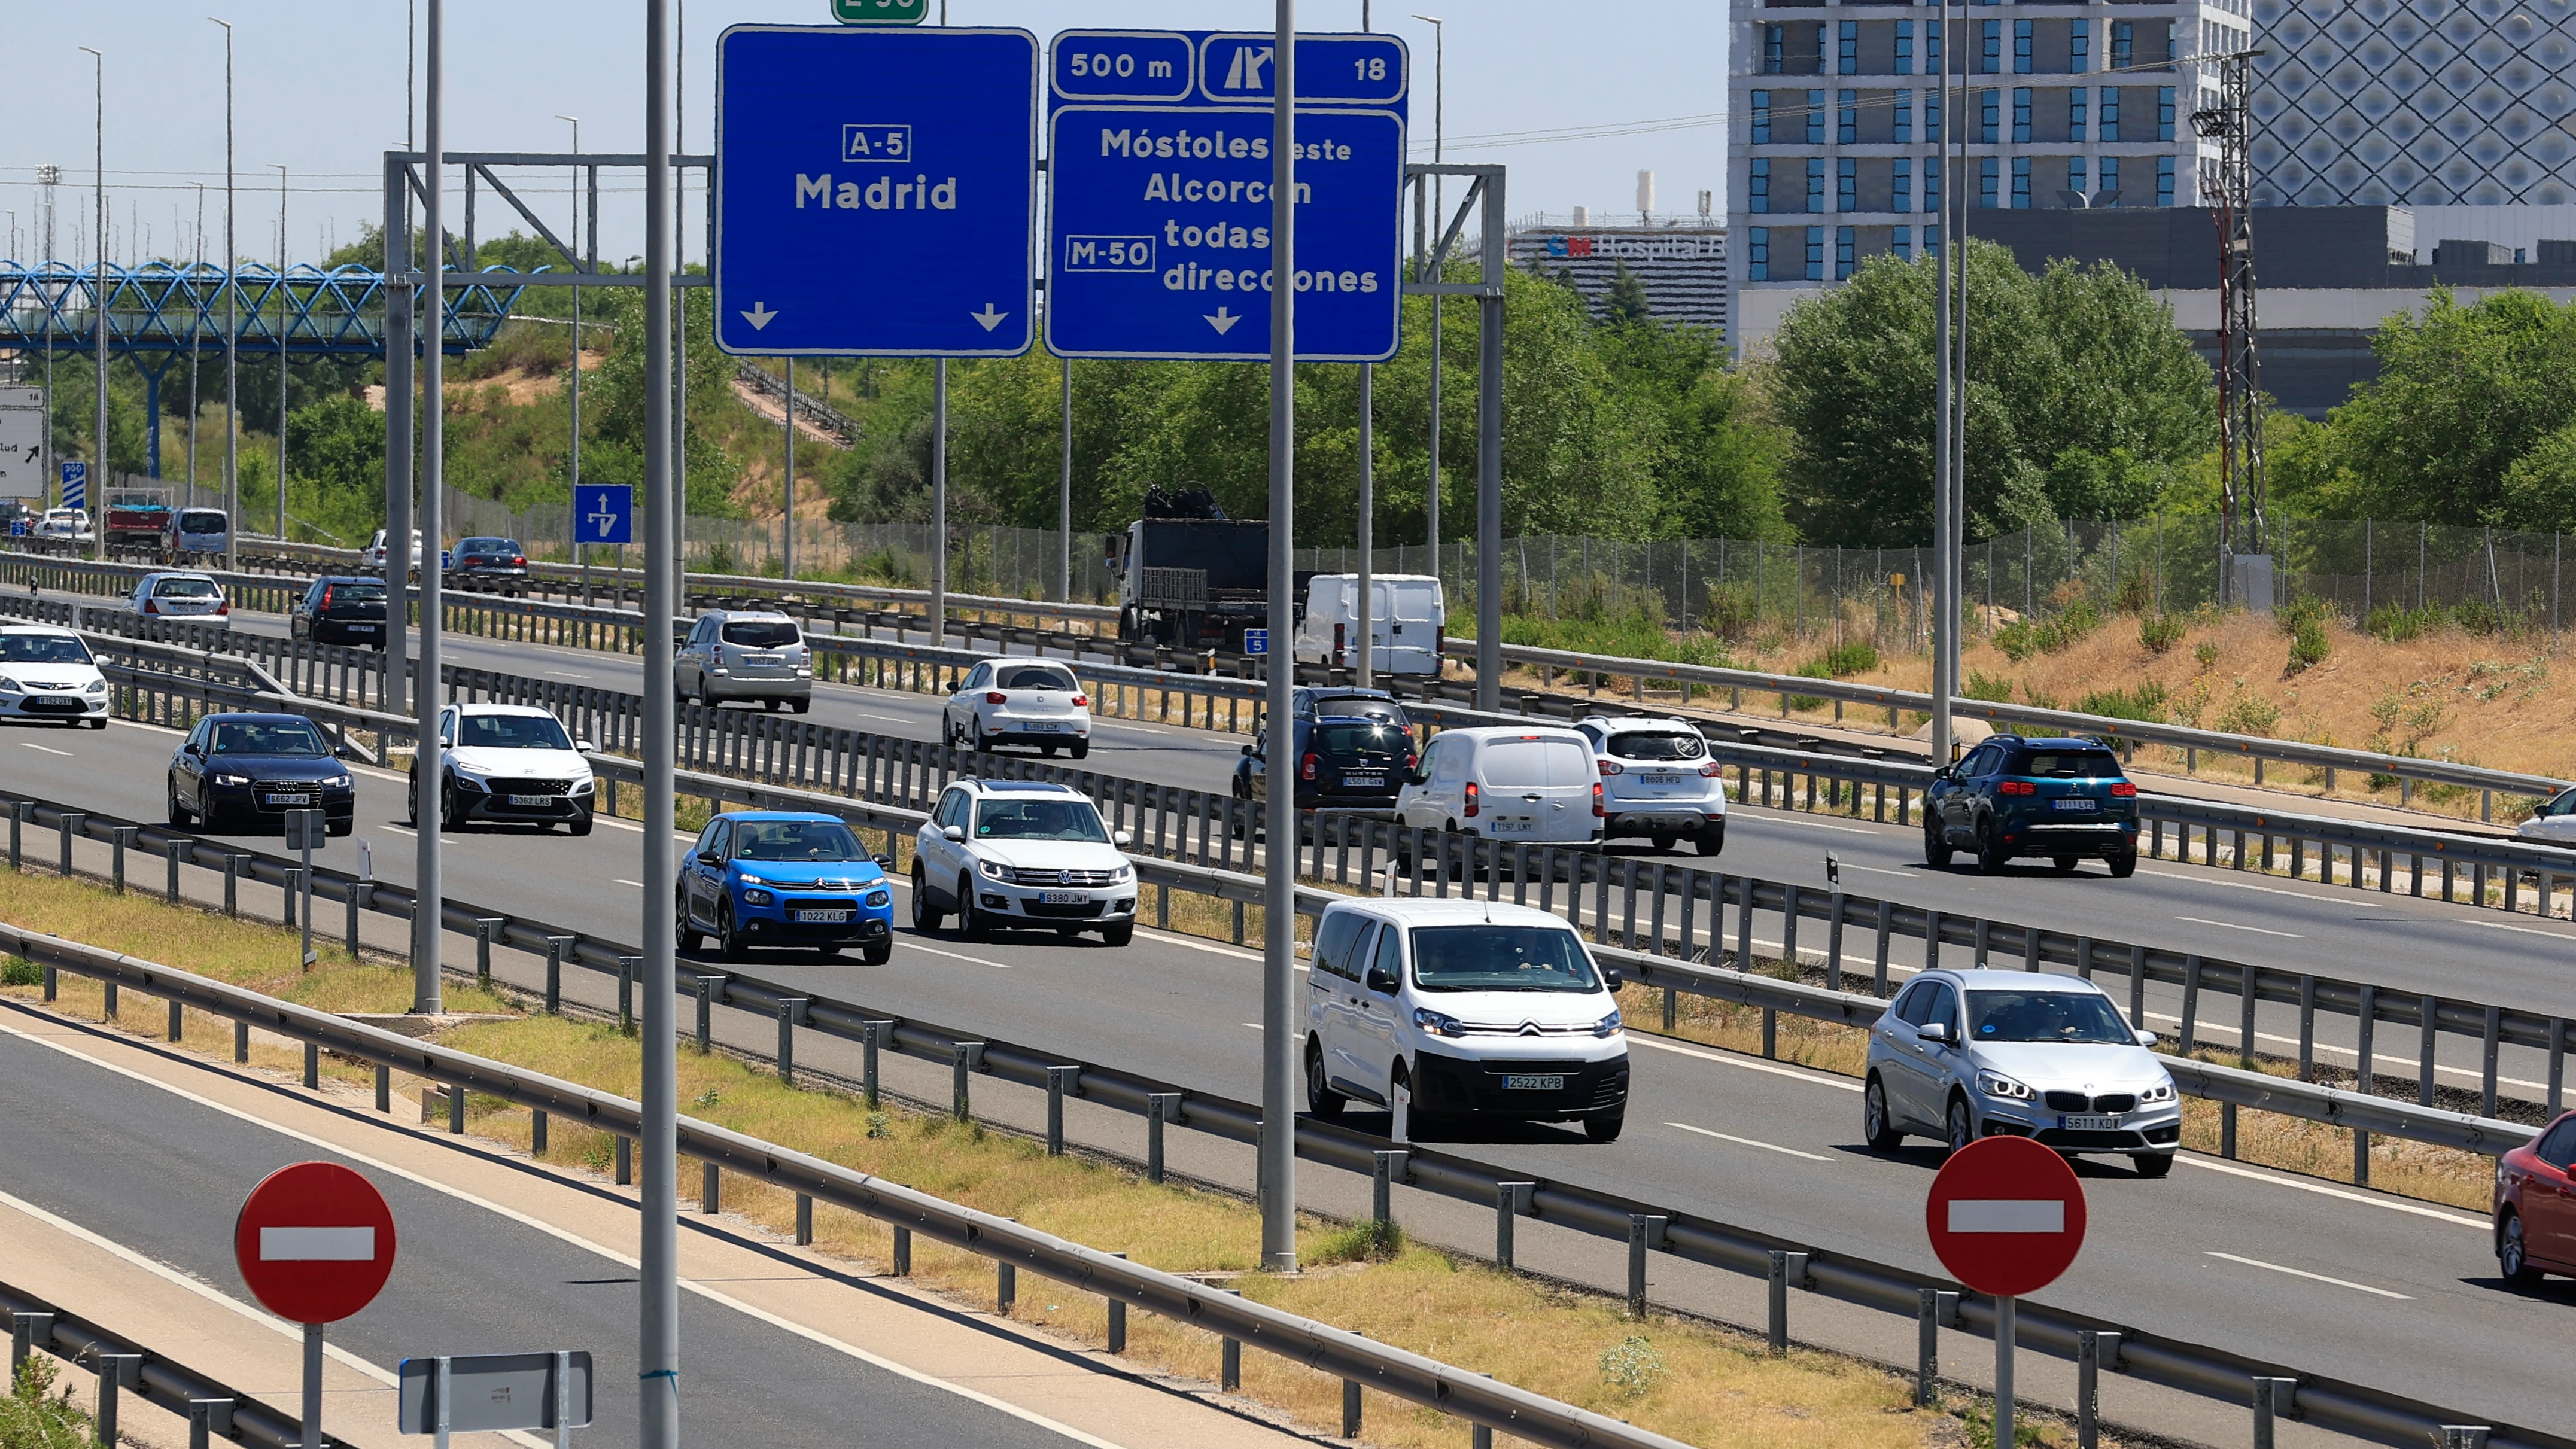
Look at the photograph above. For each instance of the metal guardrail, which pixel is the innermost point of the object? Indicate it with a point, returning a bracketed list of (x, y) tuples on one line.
[(2329, 1403), (1301, 1340), (132, 1368)]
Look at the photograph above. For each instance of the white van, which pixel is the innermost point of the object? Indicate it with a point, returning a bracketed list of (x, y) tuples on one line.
[(1408, 619), (197, 530), (1507, 782), (1460, 1008)]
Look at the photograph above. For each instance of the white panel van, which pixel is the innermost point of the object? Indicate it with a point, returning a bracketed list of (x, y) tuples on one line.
[(1408, 616), (1507, 782)]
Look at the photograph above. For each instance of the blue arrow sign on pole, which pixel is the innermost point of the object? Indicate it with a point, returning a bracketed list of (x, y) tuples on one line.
[(75, 485), (876, 191), (1159, 147), (606, 514)]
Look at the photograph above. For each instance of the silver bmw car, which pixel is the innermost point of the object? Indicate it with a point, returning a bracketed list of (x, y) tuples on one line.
[(1966, 1054)]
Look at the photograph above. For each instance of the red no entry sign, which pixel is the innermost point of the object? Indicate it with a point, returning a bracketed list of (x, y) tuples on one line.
[(2006, 1216), (315, 1242)]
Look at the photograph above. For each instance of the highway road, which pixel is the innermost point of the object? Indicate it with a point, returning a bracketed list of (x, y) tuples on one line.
[(2366, 1287), (163, 1174)]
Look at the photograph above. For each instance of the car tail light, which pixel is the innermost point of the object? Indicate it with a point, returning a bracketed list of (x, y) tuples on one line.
[(1471, 799), (995, 696), (1306, 768), (519, 560), (1712, 770), (1612, 767), (1439, 644), (223, 605), (1339, 642), (326, 598), (2124, 790), (1598, 808), (1081, 701), (151, 605), (2016, 787)]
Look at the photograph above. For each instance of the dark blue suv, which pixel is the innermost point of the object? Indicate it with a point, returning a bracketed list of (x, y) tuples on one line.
[(2064, 799), (785, 878)]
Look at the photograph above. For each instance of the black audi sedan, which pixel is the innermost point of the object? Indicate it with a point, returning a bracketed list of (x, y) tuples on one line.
[(247, 770)]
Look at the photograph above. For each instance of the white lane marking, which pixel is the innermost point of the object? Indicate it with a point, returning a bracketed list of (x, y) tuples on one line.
[(527, 1220), (407, 830), (1751, 1066), (1876, 870), (566, 674), (2343, 1051), (48, 749), (1256, 1026), (2312, 1277), (620, 880), (2232, 926), (2323, 1190), (1785, 818), (952, 955), (889, 718), (1749, 1142), (2523, 930), (2210, 878)]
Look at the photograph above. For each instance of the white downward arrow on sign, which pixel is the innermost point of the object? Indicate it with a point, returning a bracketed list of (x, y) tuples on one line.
[(758, 316), (1222, 321), (990, 318)]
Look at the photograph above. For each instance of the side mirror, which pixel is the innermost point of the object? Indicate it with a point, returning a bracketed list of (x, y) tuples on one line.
[(1122, 839), (1935, 1031), (953, 832), (709, 857), (585, 747), (1381, 981), (1611, 978), (1247, 754), (2146, 1038), (884, 862)]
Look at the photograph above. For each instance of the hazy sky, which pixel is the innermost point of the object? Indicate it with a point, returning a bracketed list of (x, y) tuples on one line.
[(319, 86)]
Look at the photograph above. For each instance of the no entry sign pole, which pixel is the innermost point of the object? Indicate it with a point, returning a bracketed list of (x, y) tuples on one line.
[(315, 1243), (2006, 1217)]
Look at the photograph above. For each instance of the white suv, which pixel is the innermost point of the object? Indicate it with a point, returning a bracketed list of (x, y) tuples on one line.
[(745, 654), (1659, 781), (1018, 701), (510, 764), (1463, 1008), (1020, 853), (47, 673)]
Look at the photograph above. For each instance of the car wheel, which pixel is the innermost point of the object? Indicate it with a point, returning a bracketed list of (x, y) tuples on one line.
[(878, 953), (1120, 934), (1321, 1099), (1990, 851), (684, 935), (975, 739), (1936, 845), (803, 706), (411, 799), (340, 827), (580, 826), (2152, 1164), (2064, 864), (1712, 837), (970, 921), (729, 942), (179, 816), (1963, 1125), (772, 705), (1663, 840), (925, 916), (1082, 749), (1047, 750), (1604, 1127), (2124, 865), (94, 722), (1876, 1128), (2512, 1262), (451, 812)]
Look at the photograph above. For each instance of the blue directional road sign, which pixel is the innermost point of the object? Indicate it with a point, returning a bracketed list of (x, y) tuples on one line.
[(1256, 641), (876, 191), (75, 485), (605, 514), (1159, 168)]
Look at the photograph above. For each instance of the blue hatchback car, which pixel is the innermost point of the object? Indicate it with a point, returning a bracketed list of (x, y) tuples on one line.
[(785, 878)]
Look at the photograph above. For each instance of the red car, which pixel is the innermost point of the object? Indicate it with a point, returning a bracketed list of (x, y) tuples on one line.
[(2535, 1206)]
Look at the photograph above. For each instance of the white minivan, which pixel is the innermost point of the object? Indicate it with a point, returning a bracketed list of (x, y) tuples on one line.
[(1519, 783), (1408, 618), (1463, 1008)]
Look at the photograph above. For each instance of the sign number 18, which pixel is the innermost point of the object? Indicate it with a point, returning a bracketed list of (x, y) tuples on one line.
[(1373, 68)]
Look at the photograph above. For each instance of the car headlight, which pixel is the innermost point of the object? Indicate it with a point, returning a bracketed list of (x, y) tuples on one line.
[(2161, 1092), (752, 880), (1122, 875), (995, 870), (1608, 1025), (880, 898), (1996, 1084), (96, 686), (1438, 1023), (758, 898), (229, 779), (10, 685), (581, 787)]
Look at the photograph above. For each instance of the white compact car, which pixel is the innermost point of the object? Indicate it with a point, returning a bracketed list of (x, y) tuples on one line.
[(47, 673), (181, 596), (510, 764), (64, 523), (1021, 853), (2554, 823), (756, 654), (1658, 781), (1021, 702), (197, 530), (1469, 1008), (374, 552), (1507, 782)]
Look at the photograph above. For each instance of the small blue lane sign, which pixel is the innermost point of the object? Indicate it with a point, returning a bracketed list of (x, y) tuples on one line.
[(876, 191), (1159, 168), (75, 485), (1256, 641), (606, 514)]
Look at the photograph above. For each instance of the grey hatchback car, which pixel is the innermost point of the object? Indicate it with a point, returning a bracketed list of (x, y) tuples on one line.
[(1961, 1055)]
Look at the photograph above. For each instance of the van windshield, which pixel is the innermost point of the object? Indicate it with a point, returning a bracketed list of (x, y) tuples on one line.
[(1487, 957), (1525, 764)]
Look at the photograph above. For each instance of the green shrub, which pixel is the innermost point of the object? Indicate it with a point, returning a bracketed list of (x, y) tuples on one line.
[(1370, 1240), (2205, 654), (1982, 685), (2146, 702), (2249, 714), (2019, 640), (2160, 632), (2068, 627), (19, 971), (1845, 660), (30, 1418), (2308, 646), (1730, 609), (1632, 1366)]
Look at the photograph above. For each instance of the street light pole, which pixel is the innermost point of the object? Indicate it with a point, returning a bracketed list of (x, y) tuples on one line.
[(1279, 1036), (97, 499), (196, 313), (581, 552), (1936, 587), (284, 298), (232, 331), (1439, 118), (429, 794)]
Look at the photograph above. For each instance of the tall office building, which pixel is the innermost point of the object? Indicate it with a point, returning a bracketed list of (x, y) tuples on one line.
[(1836, 134)]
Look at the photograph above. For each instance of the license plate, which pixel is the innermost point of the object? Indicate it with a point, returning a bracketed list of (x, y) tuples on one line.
[(1534, 1084), (1063, 898), (2089, 1124), (1659, 779), (290, 799), (365, 628), (1522, 826), (1372, 782), (2076, 805), (532, 799), (822, 917), (1041, 727)]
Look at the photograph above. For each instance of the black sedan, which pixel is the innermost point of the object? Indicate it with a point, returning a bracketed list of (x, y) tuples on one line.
[(489, 563), (249, 769), (340, 609)]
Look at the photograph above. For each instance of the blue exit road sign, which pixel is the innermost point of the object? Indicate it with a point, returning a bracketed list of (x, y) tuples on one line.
[(876, 191), (1159, 147), (604, 513)]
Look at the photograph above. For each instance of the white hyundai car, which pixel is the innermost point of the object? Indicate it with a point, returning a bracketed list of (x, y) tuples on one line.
[(1025, 854), (47, 673), (1019, 702), (510, 764)]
